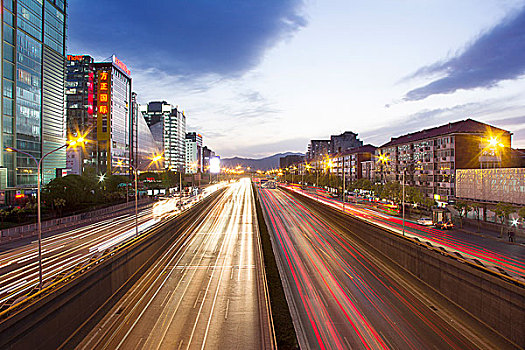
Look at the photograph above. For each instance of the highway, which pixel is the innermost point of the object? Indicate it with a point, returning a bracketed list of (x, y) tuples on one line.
[(63, 251), (341, 296), (497, 254), (208, 290)]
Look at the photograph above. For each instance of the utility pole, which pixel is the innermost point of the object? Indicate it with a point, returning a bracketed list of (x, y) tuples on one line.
[(403, 202)]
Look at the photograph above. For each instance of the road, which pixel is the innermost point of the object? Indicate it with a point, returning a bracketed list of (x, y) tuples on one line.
[(341, 296), (497, 254), (63, 251), (207, 291)]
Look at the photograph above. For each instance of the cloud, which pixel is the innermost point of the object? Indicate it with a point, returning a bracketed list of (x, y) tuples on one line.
[(184, 38), (494, 56), (506, 113)]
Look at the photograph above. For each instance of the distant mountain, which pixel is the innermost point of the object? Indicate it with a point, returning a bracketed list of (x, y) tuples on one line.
[(267, 163)]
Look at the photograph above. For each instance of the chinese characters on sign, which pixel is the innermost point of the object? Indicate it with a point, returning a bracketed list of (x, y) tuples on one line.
[(103, 100)]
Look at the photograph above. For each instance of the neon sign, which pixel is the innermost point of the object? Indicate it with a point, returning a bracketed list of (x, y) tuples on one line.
[(121, 65)]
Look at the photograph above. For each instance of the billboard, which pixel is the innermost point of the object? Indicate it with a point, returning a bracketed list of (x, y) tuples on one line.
[(215, 165), (491, 185)]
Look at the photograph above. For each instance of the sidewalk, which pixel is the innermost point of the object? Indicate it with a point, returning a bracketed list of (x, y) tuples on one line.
[(468, 228)]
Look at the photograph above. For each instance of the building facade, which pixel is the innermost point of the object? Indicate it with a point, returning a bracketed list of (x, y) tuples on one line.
[(194, 163), (33, 118), (318, 149), (168, 127), (353, 162), (344, 142), (430, 157), (207, 154), (290, 160), (112, 151), (80, 117)]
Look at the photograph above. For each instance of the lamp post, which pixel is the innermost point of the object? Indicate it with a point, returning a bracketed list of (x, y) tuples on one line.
[(344, 181), (80, 140)]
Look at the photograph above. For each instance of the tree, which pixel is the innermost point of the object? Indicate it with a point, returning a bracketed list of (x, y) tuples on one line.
[(477, 210), (503, 210), (463, 208), (521, 213)]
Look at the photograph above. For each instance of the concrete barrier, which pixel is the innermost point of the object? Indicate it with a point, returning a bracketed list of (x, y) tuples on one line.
[(71, 307), (494, 301)]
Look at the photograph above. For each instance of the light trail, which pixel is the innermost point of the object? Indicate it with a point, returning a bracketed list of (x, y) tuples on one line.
[(345, 297)]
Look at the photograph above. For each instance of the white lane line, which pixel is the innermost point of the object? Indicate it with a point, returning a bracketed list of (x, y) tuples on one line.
[(7, 289)]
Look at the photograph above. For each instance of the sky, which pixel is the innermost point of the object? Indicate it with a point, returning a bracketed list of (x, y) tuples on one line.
[(261, 77)]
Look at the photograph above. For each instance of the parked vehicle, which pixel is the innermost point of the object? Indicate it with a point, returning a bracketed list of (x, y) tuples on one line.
[(447, 225), (425, 221)]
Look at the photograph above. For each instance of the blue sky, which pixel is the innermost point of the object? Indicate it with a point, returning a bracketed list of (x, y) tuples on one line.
[(261, 77)]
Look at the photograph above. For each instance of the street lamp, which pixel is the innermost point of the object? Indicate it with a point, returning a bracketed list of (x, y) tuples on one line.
[(71, 143)]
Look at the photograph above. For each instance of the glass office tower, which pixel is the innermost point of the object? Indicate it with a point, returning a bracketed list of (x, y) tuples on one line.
[(32, 109)]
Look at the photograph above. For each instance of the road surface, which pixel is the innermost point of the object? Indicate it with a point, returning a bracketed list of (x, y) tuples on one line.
[(62, 251), (341, 296), (206, 292), (492, 253)]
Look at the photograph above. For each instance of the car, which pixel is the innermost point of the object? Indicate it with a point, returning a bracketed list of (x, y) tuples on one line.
[(425, 221), (447, 225)]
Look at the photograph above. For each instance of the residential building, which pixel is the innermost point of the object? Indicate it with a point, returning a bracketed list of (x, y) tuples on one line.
[(168, 127), (194, 163), (318, 149), (32, 109), (353, 162), (430, 157), (290, 160), (344, 142)]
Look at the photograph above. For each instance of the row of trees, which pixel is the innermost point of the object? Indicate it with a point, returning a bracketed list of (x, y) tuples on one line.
[(502, 211), (393, 191)]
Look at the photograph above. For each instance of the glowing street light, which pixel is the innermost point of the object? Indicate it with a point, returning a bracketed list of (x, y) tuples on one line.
[(72, 143)]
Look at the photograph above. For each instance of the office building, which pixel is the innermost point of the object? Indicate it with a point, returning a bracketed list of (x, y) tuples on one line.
[(168, 126), (207, 154), (112, 152), (193, 153), (33, 118), (80, 117)]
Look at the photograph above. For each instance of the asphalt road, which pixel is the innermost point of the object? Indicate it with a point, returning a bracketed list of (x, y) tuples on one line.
[(341, 296), (206, 292), (492, 253), (63, 251)]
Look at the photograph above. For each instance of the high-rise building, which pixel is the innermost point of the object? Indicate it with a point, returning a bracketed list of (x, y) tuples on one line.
[(80, 97), (207, 154), (168, 126), (33, 118), (194, 162), (112, 153), (344, 142), (318, 149)]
